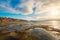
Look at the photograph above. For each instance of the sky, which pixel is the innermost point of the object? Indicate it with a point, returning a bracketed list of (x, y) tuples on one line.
[(30, 9)]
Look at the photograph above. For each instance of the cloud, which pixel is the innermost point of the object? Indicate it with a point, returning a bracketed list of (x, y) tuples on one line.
[(22, 8), (37, 17), (43, 5), (25, 7), (8, 9)]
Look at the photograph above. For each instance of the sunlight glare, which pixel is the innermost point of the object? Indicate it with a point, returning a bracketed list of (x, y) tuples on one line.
[(54, 12)]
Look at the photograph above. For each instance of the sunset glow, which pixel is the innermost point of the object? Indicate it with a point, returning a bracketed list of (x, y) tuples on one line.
[(54, 13)]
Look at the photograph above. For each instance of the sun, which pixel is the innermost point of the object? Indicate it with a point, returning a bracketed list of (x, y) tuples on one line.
[(54, 12)]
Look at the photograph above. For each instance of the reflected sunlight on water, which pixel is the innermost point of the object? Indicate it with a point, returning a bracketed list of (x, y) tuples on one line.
[(55, 24)]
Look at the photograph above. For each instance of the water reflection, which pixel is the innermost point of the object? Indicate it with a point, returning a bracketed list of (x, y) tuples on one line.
[(55, 24), (12, 27)]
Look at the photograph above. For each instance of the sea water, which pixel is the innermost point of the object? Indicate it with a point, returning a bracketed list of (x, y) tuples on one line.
[(55, 24)]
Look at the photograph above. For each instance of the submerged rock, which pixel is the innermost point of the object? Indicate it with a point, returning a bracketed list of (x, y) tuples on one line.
[(41, 34)]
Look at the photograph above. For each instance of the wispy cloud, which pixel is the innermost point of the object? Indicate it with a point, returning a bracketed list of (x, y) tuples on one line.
[(21, 8), (25, 7), (43, 5)]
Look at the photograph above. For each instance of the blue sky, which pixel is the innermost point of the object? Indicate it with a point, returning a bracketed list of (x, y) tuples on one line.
[(26, 9), (12, 4)]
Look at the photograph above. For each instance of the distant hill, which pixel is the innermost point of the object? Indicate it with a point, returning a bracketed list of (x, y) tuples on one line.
[(5, 21)]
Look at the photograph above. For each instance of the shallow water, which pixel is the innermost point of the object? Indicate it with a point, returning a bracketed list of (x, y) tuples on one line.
[(55, 24)]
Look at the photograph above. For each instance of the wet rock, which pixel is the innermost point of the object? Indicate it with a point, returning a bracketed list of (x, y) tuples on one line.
[(42, 34), (11, 38)]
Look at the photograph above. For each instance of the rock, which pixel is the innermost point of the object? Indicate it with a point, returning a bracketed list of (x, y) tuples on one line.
[(42, 34)]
